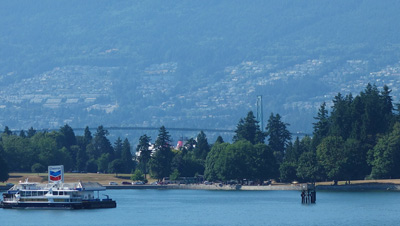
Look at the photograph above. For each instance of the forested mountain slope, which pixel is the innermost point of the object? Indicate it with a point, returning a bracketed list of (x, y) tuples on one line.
[(189, 63)]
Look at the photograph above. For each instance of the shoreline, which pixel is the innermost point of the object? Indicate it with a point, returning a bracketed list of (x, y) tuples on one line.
[(104, 179), (291, 187), (214, 187)]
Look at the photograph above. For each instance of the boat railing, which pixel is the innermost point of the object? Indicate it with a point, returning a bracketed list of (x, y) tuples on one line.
[(10, 199)]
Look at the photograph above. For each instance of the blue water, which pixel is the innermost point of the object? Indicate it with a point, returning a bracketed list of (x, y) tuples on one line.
[(194, 207)]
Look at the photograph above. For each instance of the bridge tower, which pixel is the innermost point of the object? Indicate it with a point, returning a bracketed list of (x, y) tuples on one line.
[(260, 117)]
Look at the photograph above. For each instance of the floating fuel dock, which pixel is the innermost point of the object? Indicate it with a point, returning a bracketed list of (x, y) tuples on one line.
[(56, 194)]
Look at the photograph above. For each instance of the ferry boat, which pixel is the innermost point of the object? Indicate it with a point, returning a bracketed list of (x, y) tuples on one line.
[(56, 195)]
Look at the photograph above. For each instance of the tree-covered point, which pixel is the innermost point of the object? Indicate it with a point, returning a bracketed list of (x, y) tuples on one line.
[(37, 150), (358, 138)]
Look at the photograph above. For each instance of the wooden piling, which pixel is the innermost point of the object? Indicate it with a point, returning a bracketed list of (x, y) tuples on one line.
[(308, 194)]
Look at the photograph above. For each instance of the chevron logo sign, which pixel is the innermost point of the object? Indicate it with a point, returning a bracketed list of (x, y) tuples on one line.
[(56, 173)]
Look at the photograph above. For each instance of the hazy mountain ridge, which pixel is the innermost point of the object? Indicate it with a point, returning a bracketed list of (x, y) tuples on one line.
[(189, 64)]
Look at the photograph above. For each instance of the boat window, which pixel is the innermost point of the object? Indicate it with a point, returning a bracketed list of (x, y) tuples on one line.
[(23, 193), (41, 193), (61, 193), (34, 193), (55, 192)]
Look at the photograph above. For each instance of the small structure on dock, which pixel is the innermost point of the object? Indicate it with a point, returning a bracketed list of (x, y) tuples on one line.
[(308, 194)]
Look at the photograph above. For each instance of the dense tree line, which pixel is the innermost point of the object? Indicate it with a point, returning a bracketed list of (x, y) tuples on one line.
[(358, 138), (188, 161), (247, 158), (34, 151)]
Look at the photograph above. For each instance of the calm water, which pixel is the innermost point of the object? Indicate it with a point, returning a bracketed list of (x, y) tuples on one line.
[(190, 207)]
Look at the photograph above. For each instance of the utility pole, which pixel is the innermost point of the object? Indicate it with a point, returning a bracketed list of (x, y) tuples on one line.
[(260, 117)]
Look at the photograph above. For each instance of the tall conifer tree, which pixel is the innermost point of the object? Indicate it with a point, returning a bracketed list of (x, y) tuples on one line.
[(160, 164), (248, 129), (144, 153), (126, 156), (278, 136)]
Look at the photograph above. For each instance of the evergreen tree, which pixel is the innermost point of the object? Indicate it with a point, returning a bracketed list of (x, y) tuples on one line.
[(219, 140), (22, 134), (31, 132), (321, 127), (81, 160), (143, 148), (341, 116), (202, 146), (68, 136), (357, 111), (249, 129), (87, 136), (372, 117), (73, 152), (160, 164), (387, 108), (396, 114), (126, 156), (289, 165), (118, 148), (7, 131), (278, 136), (101, 145), (293, 151), (163, 141), (306, 144)]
